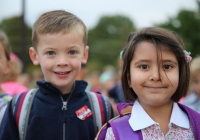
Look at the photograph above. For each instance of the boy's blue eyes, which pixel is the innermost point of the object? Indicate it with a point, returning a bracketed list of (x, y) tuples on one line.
[(50, 53), (72, 52)]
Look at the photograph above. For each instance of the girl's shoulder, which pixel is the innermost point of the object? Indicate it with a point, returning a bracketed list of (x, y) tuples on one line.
[(188, 110)]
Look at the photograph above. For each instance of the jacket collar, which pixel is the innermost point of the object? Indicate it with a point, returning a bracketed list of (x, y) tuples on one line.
[(48, 88)]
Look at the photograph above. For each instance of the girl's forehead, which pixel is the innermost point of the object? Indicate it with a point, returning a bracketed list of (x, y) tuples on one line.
[(149, 50)]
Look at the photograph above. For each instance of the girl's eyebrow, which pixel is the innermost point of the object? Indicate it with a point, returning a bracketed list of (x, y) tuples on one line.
[(146, 60), (142, 60), (170, 61)]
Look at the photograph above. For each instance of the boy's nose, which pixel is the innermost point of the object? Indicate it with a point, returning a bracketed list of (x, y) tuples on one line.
[(62, 64), (62, 61)]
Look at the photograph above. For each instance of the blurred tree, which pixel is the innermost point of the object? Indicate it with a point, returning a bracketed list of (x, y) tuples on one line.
[(12, 27), (186, 23), (107, 39)]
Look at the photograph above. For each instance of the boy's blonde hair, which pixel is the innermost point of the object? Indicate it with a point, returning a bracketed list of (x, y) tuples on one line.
[(57, 21), (4, 41), (194, 67)]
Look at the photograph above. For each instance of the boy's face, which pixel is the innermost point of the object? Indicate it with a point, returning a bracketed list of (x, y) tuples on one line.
[(60, 56), (4, 63)]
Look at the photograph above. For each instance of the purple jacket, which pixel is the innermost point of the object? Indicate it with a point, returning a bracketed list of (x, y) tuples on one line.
[(122, 130)]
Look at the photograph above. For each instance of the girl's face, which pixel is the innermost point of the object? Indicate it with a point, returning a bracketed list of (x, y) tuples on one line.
[(153, 87)]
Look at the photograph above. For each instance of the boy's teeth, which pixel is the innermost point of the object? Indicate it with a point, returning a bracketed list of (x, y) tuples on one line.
[(61, 72)]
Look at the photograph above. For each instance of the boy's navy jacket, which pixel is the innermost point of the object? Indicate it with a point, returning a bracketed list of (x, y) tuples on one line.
[(48, 121)]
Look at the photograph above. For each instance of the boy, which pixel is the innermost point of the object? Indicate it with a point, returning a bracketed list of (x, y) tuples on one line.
[(59, 47)]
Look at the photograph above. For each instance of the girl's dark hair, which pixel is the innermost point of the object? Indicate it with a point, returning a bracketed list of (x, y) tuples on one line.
[(160, 38)]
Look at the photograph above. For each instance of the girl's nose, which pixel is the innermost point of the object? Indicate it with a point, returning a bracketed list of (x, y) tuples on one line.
[(155, 75)]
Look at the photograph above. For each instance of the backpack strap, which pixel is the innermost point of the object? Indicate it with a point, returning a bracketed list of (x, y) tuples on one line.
[(194, 118), (120, 126), (101, 108), (122, 129), (21, 105)]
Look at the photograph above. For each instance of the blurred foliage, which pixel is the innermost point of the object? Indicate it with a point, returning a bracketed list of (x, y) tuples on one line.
[(107, 39), (109, 36), (13, 29), (187, 25)]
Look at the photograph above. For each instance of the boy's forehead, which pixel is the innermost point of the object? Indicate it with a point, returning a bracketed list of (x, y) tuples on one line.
[(70, 39), (63, 32)]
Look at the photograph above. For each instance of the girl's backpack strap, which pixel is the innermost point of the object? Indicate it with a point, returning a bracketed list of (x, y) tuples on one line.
[(122, 129), (120, 126), (194, 118), (101, 109), (121, 106), (21, 105)]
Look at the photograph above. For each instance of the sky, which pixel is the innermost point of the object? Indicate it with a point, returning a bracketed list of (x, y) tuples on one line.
[(143, 13)]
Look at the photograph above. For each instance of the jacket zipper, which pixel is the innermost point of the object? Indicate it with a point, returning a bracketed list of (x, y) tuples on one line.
[(64, 108)]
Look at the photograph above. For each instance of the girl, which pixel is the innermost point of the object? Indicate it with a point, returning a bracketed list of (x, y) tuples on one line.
[(4, 69), (155, 76)]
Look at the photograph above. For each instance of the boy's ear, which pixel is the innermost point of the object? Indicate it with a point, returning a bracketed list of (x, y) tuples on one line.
[(33, 56), (85, 55)]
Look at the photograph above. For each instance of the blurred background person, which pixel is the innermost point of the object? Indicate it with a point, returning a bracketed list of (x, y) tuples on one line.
[(10, 82), (5, 66), (25, 79), (108, 80), (36, 76), (116, 92), (93, 82), (193, 98), (83, 73)]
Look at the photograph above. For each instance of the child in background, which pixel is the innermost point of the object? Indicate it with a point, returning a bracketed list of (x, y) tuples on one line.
[(193, 99), (5, 65), (10, 83), (83, 73), (155, 76), (61, 109)]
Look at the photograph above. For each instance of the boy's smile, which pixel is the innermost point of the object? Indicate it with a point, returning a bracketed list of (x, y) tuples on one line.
[(154, 84), (60, 56)]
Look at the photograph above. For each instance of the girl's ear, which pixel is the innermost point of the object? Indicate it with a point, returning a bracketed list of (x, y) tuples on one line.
[(33, 55), (85, 55)]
